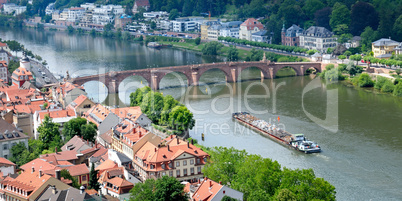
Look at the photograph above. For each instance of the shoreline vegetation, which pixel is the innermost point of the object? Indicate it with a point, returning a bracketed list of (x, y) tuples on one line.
[(352, 75)]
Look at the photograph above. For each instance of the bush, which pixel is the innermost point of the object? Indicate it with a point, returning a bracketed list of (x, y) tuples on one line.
[(197, 41), (388, 87), (398, 89), (380, 82), (365, 80)]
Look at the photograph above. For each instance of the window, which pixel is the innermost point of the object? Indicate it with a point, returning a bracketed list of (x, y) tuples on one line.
[(198, 161), (6, 156), (177, 173), (185, 172), (84, 178), (192, 171), (5, 147), (171, 165), (184, 162), (152, 167), (163, 173), (205, 159), (191, 161), (171, 173), (199, 170), (163, 166), (177, 163)]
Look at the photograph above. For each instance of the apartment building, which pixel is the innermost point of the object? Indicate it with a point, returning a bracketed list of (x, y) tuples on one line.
[(230, 29), (10, 136), (384, 47), (248, 27), (317, 38), (290, 36)]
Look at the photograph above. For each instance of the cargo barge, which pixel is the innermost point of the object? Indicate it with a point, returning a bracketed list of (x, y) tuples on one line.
[(295, 141)]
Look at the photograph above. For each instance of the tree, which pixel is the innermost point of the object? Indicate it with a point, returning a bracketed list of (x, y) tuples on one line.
[(361, 12), (73, 127), (88, 132), (14, 46), (92, 33), (321, 17), (143, 191), (66, 175), (19, 154), (197, 40), (285, 195), (227, 198), (340, 15), (291, 12), (368, 36), (311, 6), (356, 57), (347, 53), (152, 105), (169, 189), (162, 189), (181, 118), (48, 131), (174, 13), (398, 89), (70, 29), (153, 25), (342, 57), (365, 80), (211, 48), (93, 178), (233, 54), (397, 28), (168, 104)]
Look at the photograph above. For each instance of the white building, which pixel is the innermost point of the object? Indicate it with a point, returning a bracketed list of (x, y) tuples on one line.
[(248, 27), (213, 32), (7, 167), (4, 55), (10, 136), (164, 25), (57, 115), (106, 14), (75, 14), (160, 14), (230, 29), (9, 8), (50, 9), (4, 71), (317, 38)]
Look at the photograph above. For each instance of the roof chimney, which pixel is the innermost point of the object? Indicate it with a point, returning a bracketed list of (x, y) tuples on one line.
[(55, 149), (177, 140), (54, 190), (58, 174), (87, 142), (155, 149), (210, 183), (171, 137), (220, 183), (40, 173), (168, 148), (33, 169), (192, 141), (188, 144)]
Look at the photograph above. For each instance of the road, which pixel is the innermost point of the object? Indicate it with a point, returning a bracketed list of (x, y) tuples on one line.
[(37, 68)]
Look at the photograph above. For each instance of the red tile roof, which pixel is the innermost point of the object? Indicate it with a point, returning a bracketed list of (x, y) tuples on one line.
[(62, 156), (77, 170), (4, 161), (3, 44), (20, 71), (108, 164), (119, 182), (29, 181), (207, 190), (142, 2), (99, 112), (38, 164), (78, 101), (56, 114), (251, 23)]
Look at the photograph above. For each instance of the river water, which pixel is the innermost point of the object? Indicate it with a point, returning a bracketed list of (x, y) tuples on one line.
[(360, 132)]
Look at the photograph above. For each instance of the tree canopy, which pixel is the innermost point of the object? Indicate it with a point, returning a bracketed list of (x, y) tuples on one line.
[(162, 189)]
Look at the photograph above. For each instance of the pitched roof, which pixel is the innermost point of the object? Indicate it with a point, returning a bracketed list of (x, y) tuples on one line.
[(107, 137), (5, 162), (316, 31), (39, 164), (142, 2), (78, 101), (9, 132), (251, 23), (130, 113), (97, 114), (106, 165), (62, 156), (75, 143), (119, 182), (3, 44), (56, 113), (77, 170), (385, 42), (207, 190), (20, 71)]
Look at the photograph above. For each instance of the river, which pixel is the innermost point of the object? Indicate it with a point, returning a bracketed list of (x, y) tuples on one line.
[(361, 137)]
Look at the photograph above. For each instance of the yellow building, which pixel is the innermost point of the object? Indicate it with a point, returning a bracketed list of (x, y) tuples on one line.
[(205, 26), (384, 48)]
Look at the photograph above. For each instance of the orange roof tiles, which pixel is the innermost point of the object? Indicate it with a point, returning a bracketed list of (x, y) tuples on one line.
[(119, 182), (3, 44), (131, 113), (207, 190), (28, 181), (106, 165), (20, 71), (78, 101), (56, 113), (77, 170), (97, 114), (62, 156), (251, 23), (38, 164), (4, 161)]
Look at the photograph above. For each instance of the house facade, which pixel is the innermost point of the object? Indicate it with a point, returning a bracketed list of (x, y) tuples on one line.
[(230, 29), (248, 27), (4, 71), (290, 36), (384, 47), (317, 38), (140, 4), (10, 136)]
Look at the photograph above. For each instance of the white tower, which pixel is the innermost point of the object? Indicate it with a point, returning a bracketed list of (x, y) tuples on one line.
[(25, 62)]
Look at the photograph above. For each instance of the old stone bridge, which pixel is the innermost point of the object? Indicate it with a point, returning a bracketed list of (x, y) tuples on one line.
[(193, 73)]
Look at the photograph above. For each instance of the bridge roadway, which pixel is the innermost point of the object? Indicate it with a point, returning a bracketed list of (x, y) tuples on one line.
[(193, 73)]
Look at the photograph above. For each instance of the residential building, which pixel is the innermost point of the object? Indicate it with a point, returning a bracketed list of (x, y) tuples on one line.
[(6, 167), (213, 32), (59, 116), (140, 4), (156, 15), (171, 157), (4, 71), (53, 193), (10, 8), (185, 24), (248, 27), (79, 172), (114, 183), (2, 2), (122, 21), (75, 14), (384, 47), (261, 36), (210, 190), (106, 14), (290, 36), (133, 114), (29, 185), (77, 144), (4, 55), (5, 47), (10, 136), (105, 139), (50, 9), (354, 42), (230, 29), (398, 49), (67, 92), (164, 25), (204, 28), (81, 105), (22, 74), (317, 38)]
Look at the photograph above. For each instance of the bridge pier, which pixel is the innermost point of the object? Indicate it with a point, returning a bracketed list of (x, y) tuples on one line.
[(154, 82), (113, 87), (301, 71), (233, 76), (196, 78), (271, 73)]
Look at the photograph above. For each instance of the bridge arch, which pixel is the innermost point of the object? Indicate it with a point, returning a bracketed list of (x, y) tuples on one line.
[(202, 73), (307, 68), (261, 74), (176, 78), (296, 69)]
